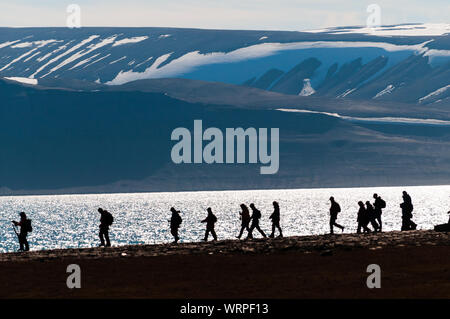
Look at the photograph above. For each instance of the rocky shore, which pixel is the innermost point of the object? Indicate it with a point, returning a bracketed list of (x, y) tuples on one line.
[(324, 244), (415, 264)]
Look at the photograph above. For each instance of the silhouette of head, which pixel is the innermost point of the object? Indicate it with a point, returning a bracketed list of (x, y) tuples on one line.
[(172, 210), (243, 206), (252, 206), (23, 215), (375, 195), (404, 193), (209, 210), (275, 204), (361, 204), (368, 204), (332, 199), (100, 210)]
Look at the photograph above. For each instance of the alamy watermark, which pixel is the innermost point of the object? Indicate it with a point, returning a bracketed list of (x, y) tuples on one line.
[(74, 18), (74, 279), (374, 18), (374, 279), (235, 142)]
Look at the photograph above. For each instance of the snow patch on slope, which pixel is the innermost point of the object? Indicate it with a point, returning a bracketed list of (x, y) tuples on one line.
[(23, 80), (387, 90), (129, 40), (434, 93), (75, 47), (194, 59), (426, 29)]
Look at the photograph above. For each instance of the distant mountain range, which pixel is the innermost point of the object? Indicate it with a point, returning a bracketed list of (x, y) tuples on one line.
[(404, 63), (92, 110)]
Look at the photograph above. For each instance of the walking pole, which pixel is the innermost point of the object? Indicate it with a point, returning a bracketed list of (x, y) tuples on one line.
[(15, 230)]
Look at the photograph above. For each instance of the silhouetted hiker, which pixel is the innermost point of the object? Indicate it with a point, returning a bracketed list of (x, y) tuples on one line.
[(256, 216), (25, 228), (363, 219), (245, 220), (106, 220), (407, 209), (335, 209), (210, 221), (175, 222), (275, 217), (378, 205), (370, 211)]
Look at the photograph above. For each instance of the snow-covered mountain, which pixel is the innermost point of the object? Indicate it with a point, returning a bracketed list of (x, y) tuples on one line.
[(403, 63)]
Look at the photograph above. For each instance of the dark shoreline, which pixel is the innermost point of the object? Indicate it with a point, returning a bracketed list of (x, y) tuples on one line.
[(415, 264)]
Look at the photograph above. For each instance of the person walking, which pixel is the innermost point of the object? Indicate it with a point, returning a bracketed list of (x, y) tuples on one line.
[(378, 205), (335, 208), (362, 219), (370, 211), (210, 221), (175, 222), (256, 216), (106, 220), (245, 220), (275, 217), (25, 228), (407, 209)]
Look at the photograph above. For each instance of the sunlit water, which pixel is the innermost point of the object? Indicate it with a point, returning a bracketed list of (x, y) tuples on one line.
[(64, 221)]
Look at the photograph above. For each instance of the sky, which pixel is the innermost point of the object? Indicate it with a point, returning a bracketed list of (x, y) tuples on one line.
[(222, 14)]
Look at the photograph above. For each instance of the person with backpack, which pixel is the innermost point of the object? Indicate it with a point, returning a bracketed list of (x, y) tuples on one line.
[(256, 216), (25, 228), (245, 220), (363, 219), (210, 221), (334, 210), (175, 222), (407, 209), (275, 217), (370, 211), (379, 204), (106, 220)]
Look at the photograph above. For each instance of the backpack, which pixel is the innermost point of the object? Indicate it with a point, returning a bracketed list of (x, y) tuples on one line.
[(382, 203), (109, 218), (28, 227), (337, 208)]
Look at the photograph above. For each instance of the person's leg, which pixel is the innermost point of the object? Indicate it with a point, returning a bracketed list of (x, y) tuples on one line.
[(21, 242), (338, 226), (261, 231), (273, 231), (250, 231), (108, 243), (213, 233), (374, 224), (358, 230), (102, 240), (331, 225), (206, 235), (279, 229), (25, 242), (380, 225), (241, 232), (177, 237)]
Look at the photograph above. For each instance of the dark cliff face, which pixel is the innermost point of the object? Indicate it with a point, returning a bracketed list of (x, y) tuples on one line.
[(53, 139)]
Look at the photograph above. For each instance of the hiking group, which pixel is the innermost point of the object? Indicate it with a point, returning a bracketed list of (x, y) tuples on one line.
[(368, 213)]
